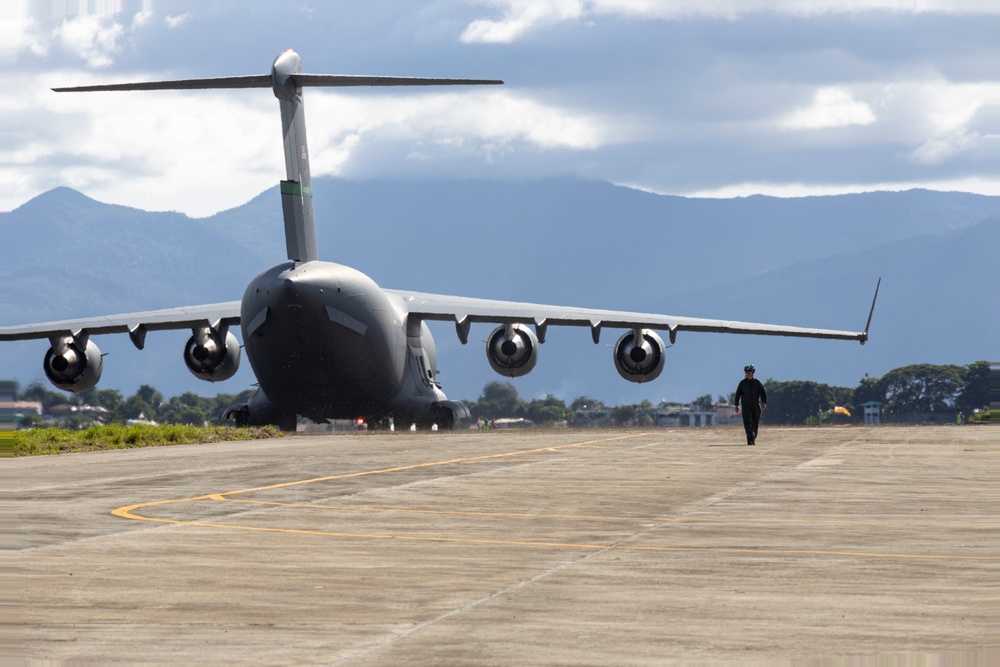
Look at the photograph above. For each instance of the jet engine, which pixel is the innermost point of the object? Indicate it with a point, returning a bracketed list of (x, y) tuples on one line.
[(212, 354), (512, 350), (73, 363), (639, 355)]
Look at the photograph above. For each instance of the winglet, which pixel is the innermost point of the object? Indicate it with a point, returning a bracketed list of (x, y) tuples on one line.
[(864, 335)]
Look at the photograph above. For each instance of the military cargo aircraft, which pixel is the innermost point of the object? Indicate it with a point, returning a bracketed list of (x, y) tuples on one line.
[(324, 340)]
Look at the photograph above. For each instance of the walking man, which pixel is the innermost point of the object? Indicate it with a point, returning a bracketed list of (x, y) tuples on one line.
[(751, 393)]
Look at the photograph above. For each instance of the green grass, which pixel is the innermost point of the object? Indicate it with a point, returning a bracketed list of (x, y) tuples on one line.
[(60, 441)]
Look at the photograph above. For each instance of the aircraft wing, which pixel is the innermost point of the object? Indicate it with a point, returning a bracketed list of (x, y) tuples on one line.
[(463, 311), (134, 324)]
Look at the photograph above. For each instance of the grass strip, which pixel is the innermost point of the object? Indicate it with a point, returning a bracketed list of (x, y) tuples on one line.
[(37, 442)]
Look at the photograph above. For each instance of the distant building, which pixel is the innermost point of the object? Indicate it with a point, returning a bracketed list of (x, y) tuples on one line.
[(689, 416), (86, 414), (697, 418), (511, 422), (10, 410), (725, 413), (873, 412)]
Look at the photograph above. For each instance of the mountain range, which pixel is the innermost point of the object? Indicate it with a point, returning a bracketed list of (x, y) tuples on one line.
[(810, 261)]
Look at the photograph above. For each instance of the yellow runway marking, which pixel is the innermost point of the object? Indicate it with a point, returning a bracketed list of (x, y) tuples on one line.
[(597, 517), (464, 459), (128, 512), (568, 545)]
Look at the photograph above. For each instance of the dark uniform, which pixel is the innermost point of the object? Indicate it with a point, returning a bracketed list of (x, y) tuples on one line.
[(752, 395)]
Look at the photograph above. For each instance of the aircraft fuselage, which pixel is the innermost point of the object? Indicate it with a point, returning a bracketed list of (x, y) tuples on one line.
[(328, 340)]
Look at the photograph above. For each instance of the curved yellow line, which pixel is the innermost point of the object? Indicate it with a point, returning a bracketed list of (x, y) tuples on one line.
[(563, 545), (598, 517), (128, 512)]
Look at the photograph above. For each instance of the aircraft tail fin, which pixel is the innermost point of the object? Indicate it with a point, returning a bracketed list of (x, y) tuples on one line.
[(287, 80)]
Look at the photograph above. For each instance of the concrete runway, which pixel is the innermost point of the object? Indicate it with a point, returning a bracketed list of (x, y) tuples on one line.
[(513, 548)]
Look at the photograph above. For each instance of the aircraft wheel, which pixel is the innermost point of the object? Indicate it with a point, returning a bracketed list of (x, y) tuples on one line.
[(378, 424), (242, 416), (289, 423), (445, 419)]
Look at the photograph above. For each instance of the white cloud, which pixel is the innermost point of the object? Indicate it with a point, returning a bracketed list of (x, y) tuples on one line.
[(830, 107), (431, 126), (518, 17), (125, 148), (92, 38), (93, 34), (142, 18), (973, 184), (935, 116), (755, 112), (177, 21), (18, 34), (948, 106), (939, 148)]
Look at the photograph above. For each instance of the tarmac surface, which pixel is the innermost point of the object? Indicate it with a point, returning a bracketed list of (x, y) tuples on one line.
[(544, 547)]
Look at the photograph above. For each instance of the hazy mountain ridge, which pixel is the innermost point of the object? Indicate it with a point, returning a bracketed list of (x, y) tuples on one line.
[(810, 261)]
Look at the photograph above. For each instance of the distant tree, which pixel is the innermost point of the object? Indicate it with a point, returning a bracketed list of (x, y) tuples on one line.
[(45, 396), (218, 405), (188, 408), (188, 415), (499, 399), (625, 415), (585, 403), (647, 413), (869, 389), (30, 420), (549, 410), (10, 390), (702, 402), (796, 402), (843, 396), (976, 392), (132, 407), (152, 398), (922, 388), (103, 398)]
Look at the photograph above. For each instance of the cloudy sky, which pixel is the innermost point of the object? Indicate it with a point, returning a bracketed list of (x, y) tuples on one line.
[(692, 97)]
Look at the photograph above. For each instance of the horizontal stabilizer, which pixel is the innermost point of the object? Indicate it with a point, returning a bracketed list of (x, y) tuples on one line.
[(266, 81), (252, 81), (346, 80)]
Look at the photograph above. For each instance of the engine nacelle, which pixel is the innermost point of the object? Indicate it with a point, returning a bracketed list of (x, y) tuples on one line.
[(210, 356), (639, 360), (512, 350), (73, 364)]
